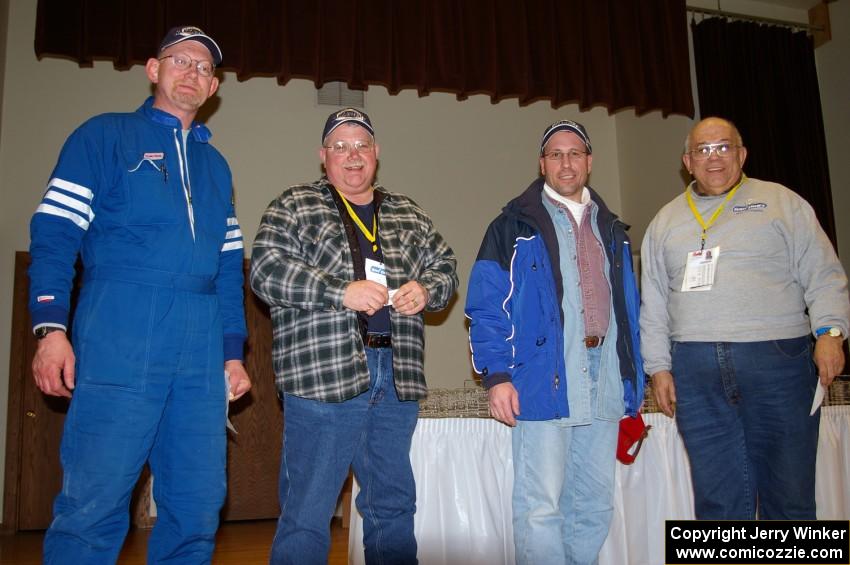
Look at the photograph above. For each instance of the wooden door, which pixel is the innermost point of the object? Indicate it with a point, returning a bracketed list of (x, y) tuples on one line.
[(33, 473), (34, 424), (253, 454)]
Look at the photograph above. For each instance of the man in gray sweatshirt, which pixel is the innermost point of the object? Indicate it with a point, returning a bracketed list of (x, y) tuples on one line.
[(737, 274)]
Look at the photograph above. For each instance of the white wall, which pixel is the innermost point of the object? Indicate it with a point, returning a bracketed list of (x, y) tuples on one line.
[(460, 160), (834, 80), (4, 17), (649, 152)]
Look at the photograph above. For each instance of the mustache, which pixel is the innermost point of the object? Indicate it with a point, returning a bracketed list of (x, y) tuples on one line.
[(357, 163)]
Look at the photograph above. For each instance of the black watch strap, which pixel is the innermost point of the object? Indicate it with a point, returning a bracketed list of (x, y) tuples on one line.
[(42, 331)]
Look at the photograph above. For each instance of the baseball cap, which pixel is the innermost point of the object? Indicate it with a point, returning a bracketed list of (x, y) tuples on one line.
[(633, 431), (185, 33), (348, 115), (566, 125)]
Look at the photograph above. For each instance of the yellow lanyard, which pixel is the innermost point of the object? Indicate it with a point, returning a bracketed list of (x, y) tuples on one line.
[(717, 212), (370, 237)]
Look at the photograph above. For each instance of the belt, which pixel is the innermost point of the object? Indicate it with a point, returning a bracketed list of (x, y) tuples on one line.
[(379, 340), (178, 281), (592, 341)]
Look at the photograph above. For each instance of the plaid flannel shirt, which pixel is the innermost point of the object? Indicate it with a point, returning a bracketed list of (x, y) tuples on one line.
[(301, 265)]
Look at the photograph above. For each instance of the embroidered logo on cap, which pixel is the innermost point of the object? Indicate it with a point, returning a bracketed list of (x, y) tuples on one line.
[(189, 30), (349, 114)]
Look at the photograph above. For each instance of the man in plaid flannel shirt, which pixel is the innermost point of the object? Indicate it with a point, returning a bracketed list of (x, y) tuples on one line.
[(347, 268)]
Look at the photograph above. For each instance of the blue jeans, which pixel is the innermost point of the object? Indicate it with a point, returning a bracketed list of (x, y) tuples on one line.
[(371, 433), (563, 486), (150, 386), (743, 413)]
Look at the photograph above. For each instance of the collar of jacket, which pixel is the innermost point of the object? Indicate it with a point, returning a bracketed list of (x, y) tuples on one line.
[(529, 205), (200, 132), (379, 194)]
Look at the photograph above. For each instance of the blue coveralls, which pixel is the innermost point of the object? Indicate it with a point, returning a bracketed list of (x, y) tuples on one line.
[(150, 212)]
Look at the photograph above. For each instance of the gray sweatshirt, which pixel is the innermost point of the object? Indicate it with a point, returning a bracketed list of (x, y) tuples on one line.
[(775, 261)]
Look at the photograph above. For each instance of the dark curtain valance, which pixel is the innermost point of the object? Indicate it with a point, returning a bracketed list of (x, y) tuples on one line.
[(764, 79), (613, 53)]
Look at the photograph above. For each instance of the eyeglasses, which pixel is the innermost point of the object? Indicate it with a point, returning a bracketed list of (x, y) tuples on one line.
[(184, 63), (722, 150), (571, 155), (345, 148)]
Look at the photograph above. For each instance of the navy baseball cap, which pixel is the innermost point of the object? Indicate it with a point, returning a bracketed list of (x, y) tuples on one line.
[(186, 33), (348, 115), (566, 125)]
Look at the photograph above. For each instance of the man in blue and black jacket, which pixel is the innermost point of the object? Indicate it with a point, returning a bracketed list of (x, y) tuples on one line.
[(146, 203), (553, 309)]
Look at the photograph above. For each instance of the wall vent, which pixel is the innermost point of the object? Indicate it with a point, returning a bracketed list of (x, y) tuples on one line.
[(338, 94)]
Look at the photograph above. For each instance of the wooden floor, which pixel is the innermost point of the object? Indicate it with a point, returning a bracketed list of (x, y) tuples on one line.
[(238, 543)]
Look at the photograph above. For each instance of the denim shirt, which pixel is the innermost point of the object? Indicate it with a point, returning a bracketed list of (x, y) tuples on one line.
[(582, 391)]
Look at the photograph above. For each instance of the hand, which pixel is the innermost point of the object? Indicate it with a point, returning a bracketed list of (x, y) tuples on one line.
[(411, 298), (240, 383), (504, 403), (829, 358), (53, 365), (665, 392), (365, 296)]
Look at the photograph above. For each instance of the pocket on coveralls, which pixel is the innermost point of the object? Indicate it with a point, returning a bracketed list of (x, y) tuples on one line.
[(113, 335)]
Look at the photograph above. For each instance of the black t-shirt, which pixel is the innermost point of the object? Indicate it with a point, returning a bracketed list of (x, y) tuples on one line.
[(380, 322)]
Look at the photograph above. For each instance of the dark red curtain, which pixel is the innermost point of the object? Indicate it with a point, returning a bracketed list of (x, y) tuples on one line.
[(763, 78), (613, 53)]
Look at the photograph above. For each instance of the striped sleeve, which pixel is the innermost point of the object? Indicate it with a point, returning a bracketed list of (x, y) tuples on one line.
[(68, 200), (59, 224), (230, 288), (233, 235)]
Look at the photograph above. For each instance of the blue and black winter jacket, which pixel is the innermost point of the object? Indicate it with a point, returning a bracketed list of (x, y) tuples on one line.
[(514, 306)]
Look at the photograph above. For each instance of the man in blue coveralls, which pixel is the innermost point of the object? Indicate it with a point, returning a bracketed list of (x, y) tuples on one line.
[(159, 329)]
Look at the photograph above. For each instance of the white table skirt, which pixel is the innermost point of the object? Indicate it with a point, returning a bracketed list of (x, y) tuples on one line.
[(464, 477)]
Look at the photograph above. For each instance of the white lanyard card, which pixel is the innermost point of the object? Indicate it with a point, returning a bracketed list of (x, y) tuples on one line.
[(699, 270)]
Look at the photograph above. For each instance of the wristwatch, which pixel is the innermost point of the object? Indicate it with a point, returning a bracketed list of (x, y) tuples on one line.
[(831, 331), (42, 331)]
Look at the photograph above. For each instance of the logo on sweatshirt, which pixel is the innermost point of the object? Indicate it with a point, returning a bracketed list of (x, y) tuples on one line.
[(46, 298), (750, 206)]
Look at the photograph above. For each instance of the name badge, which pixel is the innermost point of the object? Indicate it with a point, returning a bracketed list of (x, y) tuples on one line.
[(377, 272), (700, 268)]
